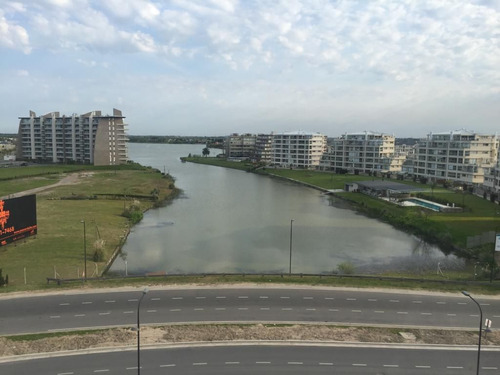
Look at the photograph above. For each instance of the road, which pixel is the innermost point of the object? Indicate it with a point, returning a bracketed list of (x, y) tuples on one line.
[(305, 305), (265, 359)]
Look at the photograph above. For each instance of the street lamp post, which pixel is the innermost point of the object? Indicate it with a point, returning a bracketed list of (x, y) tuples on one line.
[(467, 294), (139, 333), (291, 238), (84, 252)]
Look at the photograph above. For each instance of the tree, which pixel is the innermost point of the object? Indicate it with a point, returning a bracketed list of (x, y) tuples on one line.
[(206, 151)]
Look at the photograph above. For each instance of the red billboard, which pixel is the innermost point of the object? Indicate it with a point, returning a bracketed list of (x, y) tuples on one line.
[(17, 218)]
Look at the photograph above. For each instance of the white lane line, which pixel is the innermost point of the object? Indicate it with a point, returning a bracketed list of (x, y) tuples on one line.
[(484, 304), (102, 370), (392, 366), (199, 363), (243, 308), (416, 301), (177, 298), (110, 301), (489, 368), (265, 308), (201, 297), (64, 304), (454, 367), (310, 309), (133, 300), (169, 365), (264, 297), (220, 297), (295, 363), (79, 315), (402, 312), (496, 316), (199, 309), (55, 316), (329, 298), (220, 308), (441, 302), (379, 311), (151, 311), (105, 313), (65, 373), (129, 312), (351, 299), (232, 363), (243, 297), (422, 366), (325, 364), (451, 314), (286, 309), (394, 300), (372, 299), (285, 297), (474, 315), (334, 310), (156, 299), (131, 368), (173, 310), (462, 303), (262, 363), (356, 311), (425, 313), (86, 302), (307, 297), (359, 364)]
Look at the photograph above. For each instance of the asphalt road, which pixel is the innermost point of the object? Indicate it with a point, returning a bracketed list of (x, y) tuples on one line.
[(265, 359), (30, 314)]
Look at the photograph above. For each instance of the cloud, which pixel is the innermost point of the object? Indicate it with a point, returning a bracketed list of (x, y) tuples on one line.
[(13, 36)]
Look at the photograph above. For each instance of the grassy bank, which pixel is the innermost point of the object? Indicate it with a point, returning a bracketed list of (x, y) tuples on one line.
[(98, 196)]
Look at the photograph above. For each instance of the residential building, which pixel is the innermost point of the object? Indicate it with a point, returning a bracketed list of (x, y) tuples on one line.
[(298, 149), (364, 152), (91, 138), (240, 146), (264, 148), (460, 155)]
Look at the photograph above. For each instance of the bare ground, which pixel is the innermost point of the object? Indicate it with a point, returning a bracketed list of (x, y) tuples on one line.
[(233, 332)]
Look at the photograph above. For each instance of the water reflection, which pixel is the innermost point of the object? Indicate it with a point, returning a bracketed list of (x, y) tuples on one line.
[(233, 221)]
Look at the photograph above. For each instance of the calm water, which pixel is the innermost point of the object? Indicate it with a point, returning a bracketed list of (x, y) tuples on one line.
[(232, 221)]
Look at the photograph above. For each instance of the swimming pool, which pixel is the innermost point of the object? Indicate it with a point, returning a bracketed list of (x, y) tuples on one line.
[(426, 204)]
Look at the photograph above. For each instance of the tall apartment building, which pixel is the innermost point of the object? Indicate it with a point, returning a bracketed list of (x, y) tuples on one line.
[(264, 148), (363, 152), (460, 155), (298, 149), (240, 146), (91, 138)]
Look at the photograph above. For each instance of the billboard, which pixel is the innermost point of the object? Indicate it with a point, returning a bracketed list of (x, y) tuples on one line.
[(17, 218)]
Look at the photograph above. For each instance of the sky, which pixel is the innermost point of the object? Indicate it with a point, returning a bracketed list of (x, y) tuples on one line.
[(216, 67)]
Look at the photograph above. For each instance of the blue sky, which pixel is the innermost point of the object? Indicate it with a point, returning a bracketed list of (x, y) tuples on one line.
[(214, 67)]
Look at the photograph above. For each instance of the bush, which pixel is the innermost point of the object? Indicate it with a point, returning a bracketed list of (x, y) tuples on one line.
[(346, 268)]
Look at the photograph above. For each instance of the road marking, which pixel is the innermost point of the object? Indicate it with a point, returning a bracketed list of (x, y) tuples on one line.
[(285, 297), (307, 297), (356, 311), (351, 299), (55, 316), (425, 313), (105, 313), (129, 312), (402, 312), (326, 364), (64, 304), (455, 367), (334, 310), (451, 314), (199, 309), (169, 365), (156, 299), (441, 302), (312, 309), (329, 298), (151, 311), (103, 370), (232, 363), (262, 363), (242, 308), (462, 303), (220, 308), (265, 308), (394, 300), (263, 297), (220, 297), (295, 363), (131, 368), (489, 368), (86, 302), (243, 297), (372, 299), (110, 301), (379, 312), (199, 363), (177, 297), (173, 310), (474, 315), (422, 366), (393, 366), (201, 297), (416, 301), (359, 364), (133, 300), (65, 373), (79, 315), (286, 309)]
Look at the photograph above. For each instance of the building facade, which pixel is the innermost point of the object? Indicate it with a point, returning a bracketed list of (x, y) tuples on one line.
[(264, 148), (298, 149), (460, 155), (91, 138), (363, 152), (240, 146)]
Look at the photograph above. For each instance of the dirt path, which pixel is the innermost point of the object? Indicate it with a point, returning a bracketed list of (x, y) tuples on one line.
[(70, 179)]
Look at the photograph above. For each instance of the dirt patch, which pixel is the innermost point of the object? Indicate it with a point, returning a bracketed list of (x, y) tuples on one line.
[(234, 332)]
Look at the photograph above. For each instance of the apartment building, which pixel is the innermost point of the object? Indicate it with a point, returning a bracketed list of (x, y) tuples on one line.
[(364, 152), (264, 148), (91, 138), (298, 149), (240, 146), (459, 155)]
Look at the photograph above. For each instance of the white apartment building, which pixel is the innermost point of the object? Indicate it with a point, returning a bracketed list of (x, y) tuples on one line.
[(240, 146), (298, 149), (363, 152), (91, 138), (459, 155)]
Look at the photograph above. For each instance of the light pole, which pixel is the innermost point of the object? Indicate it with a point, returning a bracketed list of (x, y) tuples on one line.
[(84, 252), (139, 332), (467, 294), (291, 238)]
